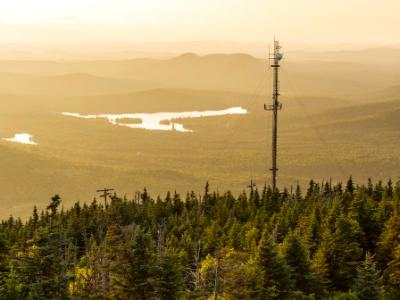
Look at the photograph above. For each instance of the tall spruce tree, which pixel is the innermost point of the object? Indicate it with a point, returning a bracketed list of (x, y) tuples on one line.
[(320, 270), (4, 268), (342, 251), (389, 240), (277, 283), (392, 276), (132, 263), (297, 257), (170, 276), (367, 285), (40, 270)]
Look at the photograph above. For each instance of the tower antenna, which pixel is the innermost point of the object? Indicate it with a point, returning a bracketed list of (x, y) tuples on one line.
[(274, 59)]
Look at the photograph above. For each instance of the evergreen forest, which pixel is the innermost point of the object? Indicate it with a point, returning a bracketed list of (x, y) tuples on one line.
[(327, 241)]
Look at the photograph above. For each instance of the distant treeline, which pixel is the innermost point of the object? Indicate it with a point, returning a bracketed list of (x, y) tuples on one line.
[(329, 242)]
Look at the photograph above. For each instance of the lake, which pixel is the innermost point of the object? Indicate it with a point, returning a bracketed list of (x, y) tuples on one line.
[(156, 121)]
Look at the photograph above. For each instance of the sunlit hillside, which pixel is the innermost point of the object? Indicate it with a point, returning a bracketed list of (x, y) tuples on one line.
[(339, 118)]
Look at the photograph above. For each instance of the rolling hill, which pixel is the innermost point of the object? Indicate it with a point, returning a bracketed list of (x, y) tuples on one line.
[(320, 139), (337, 119), (67, 85), (233, 72)]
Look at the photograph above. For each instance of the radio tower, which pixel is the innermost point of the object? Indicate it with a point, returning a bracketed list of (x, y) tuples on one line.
[(275, 107)]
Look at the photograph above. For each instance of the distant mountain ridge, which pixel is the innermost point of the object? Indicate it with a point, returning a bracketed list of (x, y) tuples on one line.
[(224, 72), (71, 84)]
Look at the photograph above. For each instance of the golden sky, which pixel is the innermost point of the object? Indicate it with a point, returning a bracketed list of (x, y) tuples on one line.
[(357, 21)]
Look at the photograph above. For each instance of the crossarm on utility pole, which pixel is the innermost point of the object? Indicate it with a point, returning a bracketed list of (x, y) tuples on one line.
[(104, 194)]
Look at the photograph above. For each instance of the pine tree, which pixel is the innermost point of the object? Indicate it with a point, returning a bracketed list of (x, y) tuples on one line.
[(389, 240), (313, 231), (320, 270), (35, 219), (297, 257), (55, 202), (392, 276), (170, 276), (4, 268), (367, 285), (41, 270), (350, 186), (342, 251), (12, 290), (131, 263), (277, 283), (361, 210), (234, 236), (241, 278)]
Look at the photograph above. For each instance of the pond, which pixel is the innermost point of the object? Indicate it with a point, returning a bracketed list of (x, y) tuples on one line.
[(22, 138)]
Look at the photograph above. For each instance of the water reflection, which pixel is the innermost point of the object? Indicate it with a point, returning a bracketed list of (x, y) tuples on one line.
[(156, 121), (22, 138)]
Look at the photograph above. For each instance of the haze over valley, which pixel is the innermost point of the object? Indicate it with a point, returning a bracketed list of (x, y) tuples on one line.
[(339, 118)]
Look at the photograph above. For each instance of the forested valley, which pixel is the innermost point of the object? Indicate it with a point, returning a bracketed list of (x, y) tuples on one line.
[(330, 241)]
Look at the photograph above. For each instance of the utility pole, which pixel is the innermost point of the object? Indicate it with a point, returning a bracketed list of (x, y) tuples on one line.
[(252, 184), (275, 107), (104, 194)]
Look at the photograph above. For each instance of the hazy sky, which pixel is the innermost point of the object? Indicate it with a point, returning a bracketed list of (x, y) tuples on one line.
[(195, 20)]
